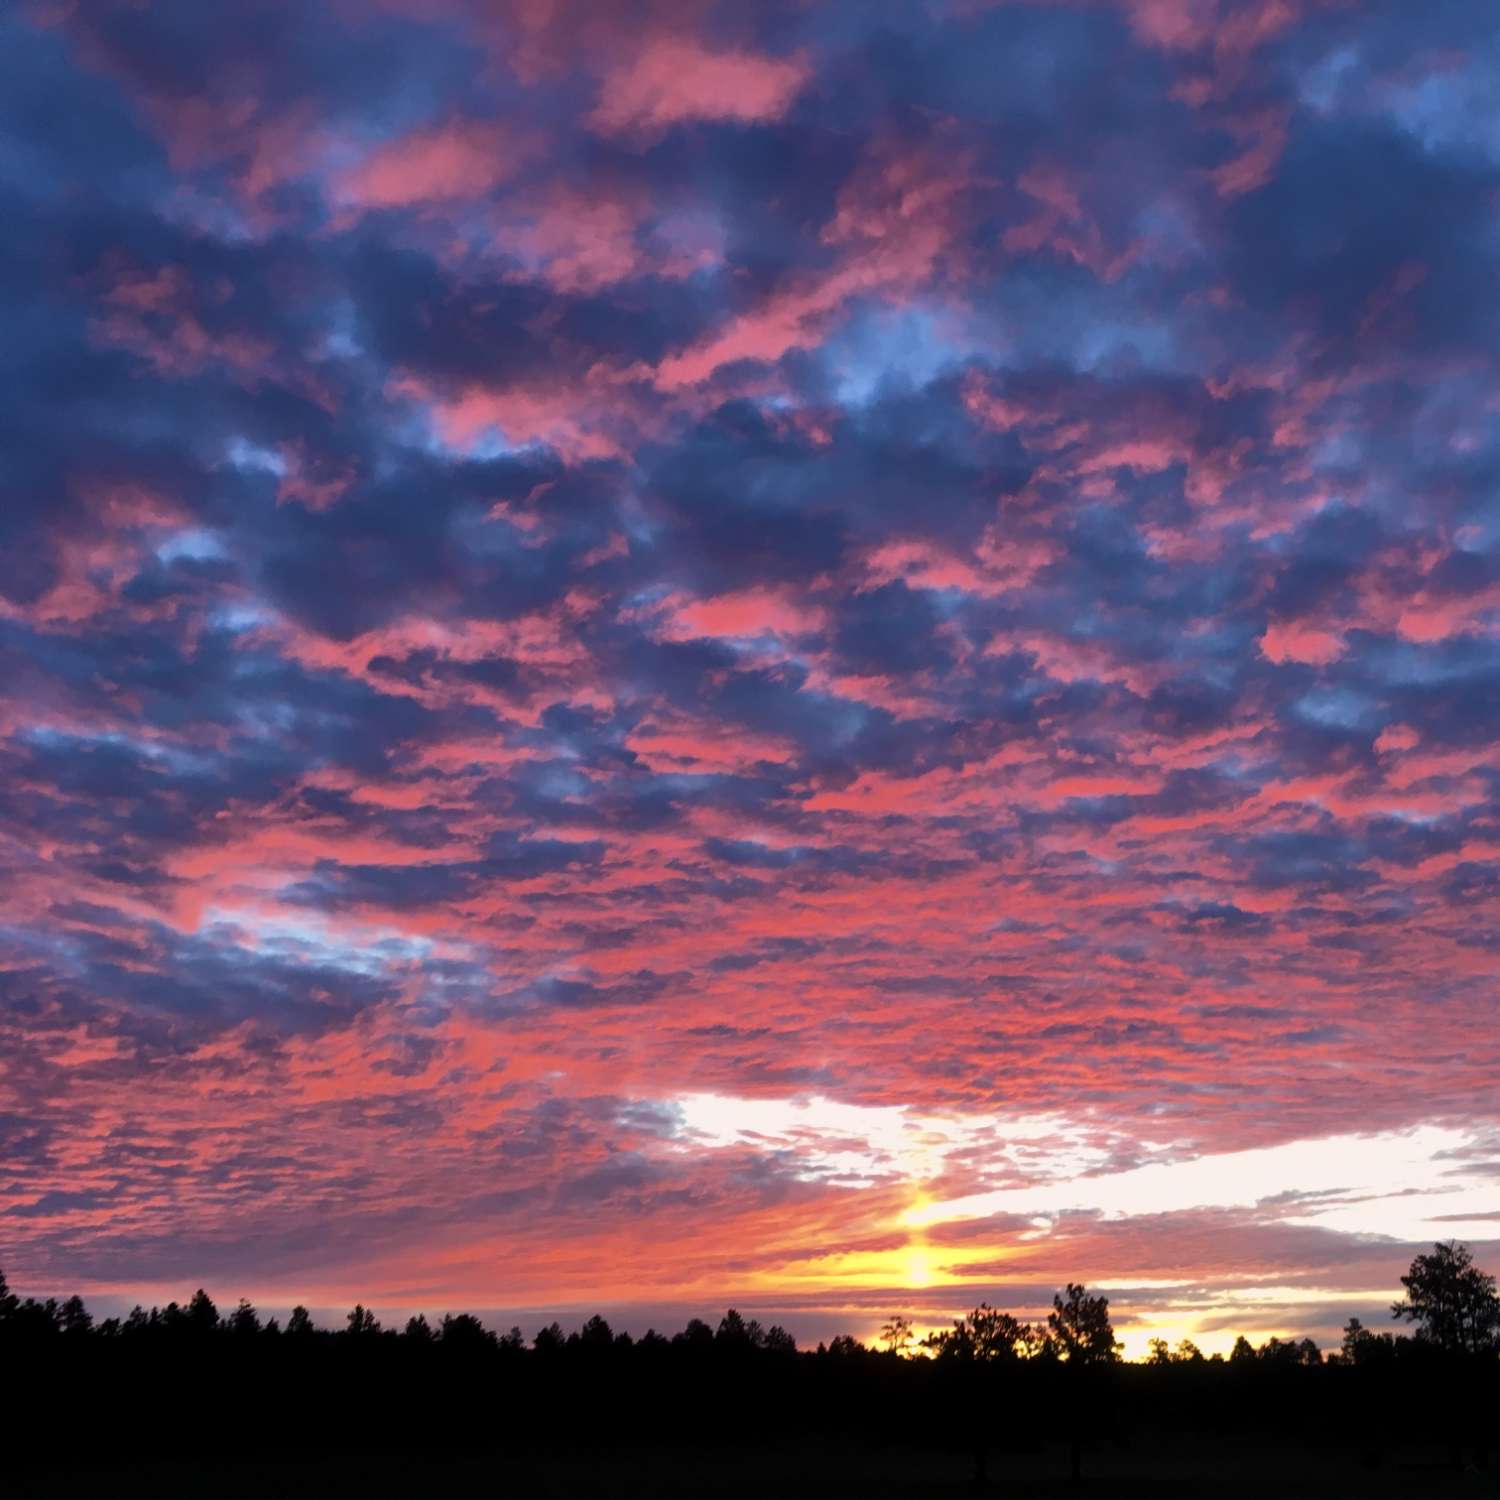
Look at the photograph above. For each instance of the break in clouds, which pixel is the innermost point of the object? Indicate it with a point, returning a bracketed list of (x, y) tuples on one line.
[(841, 657)]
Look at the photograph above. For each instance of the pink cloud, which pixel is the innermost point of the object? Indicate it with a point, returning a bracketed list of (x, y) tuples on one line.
[(1264, 138), (673, 79), (1292, 640), (455, 160), (179, 327), (749, 612), (569, 421), (1428, 619), (1231, 28), (578, 241), (895, 221), (672, 743), (1061, 224), (1173, 25), (1397, 737)]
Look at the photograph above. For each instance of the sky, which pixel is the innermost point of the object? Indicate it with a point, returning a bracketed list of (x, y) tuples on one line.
[(836, 658)]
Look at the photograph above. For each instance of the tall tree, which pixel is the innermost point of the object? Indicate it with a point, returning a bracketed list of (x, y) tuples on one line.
[(779, 1341), (596, 1334), (1085, 1338), (362, 1321), (244, 1319), (897, 1335), (74, 1317), (986, 1335), (982, 1344), (549, 1341), (1081, 1328), (1452, 1302), (202, 1316)]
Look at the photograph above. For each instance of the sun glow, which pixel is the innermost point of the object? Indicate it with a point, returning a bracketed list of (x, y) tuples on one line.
[(921, 1265), (1414, 1184), (1052, 1175)]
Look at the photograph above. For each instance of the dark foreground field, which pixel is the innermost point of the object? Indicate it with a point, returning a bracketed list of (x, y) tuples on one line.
[(1177, 1469)]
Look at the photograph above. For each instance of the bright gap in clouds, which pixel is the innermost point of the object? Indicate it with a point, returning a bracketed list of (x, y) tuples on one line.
[(308, 937), (1429, 1182), (1406, 1185), (859, 1145)]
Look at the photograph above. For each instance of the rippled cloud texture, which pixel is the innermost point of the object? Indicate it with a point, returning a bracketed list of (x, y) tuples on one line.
[(841, 657)]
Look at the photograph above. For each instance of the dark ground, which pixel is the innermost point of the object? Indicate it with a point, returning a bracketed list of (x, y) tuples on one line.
[(1174, 1469)]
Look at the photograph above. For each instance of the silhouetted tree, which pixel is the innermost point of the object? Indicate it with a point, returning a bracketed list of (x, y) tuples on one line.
[(1286, 1355), (243, 1320), (463, 1331), (735, 1333), (596, 1334), (1452, 1302), (361, 1322), (1456, 1310), (989, 1368), (1084, 1338), (1355, 1334), (201, 1317), (896, 1335), (1362, 1346), (33, 1319), (999, 1336), (1081, 1328), (697, 1335), (980, 1344), (779, 1341), (73, 1317)]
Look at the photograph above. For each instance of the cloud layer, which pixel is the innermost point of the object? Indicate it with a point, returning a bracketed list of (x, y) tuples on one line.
[(640, 644)]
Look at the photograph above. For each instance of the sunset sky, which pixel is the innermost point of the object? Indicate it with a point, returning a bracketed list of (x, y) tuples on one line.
[(839, 658)]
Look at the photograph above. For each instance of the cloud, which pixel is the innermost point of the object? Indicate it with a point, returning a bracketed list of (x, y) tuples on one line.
[(697, 623), (672, 79), (1394, 1184), (459, 160)]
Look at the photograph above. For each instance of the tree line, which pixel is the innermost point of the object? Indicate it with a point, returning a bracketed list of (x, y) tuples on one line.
[(988, 1382), (1452, 1303)]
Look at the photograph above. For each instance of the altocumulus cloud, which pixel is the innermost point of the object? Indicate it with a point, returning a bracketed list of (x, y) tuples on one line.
[(863, 644)]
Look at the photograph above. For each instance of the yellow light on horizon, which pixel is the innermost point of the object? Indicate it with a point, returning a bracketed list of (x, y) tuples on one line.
[(920, 1268)]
